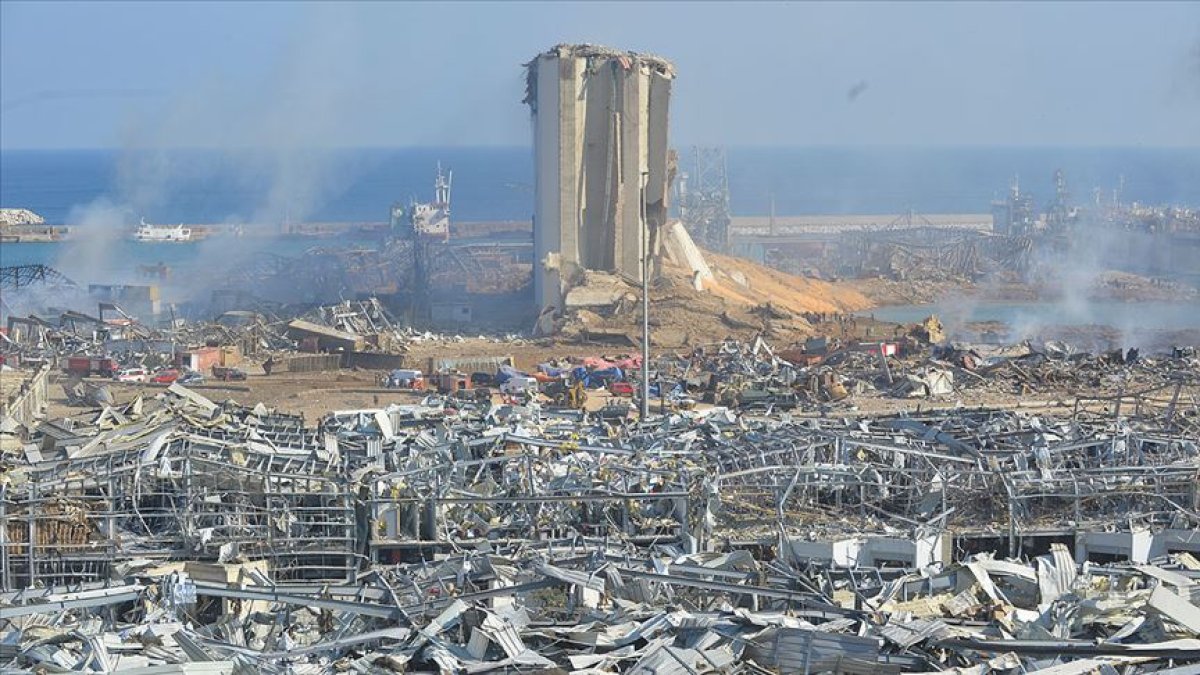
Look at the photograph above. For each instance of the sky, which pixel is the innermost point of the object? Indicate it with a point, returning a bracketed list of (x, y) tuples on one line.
[(378, 74)]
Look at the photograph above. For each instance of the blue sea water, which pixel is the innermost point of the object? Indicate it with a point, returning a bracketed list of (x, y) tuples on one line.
[(497, 183), (197, 186), (949, 180)]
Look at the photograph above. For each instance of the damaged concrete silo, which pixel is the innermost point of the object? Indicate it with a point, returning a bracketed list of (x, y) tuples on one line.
[(600, 139)]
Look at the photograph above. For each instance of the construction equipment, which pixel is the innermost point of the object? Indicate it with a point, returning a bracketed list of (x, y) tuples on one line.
[(563, 395)]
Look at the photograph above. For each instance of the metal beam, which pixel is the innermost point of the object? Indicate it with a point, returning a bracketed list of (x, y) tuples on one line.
[(83, 599)]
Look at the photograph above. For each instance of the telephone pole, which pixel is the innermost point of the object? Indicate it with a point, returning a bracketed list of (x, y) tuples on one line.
[(645, 409)]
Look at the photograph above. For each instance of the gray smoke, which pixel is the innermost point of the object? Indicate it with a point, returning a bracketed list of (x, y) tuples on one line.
[(271, 136), (97, 229)]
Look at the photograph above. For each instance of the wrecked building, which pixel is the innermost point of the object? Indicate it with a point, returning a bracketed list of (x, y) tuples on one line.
[(601, 162), (180, 534)]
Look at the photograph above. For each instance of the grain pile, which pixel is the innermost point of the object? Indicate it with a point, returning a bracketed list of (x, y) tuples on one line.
[(740, 300)]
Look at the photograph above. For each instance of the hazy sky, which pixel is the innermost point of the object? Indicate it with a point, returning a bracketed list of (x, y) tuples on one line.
[(102, 74)]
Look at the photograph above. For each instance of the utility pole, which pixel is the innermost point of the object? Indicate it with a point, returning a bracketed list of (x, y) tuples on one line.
[(645, 409)]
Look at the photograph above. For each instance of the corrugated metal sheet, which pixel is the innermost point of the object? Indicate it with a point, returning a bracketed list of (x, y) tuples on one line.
[(469, 364), (309, 363), (503, 634), (588, 581), (913, 632), (195, 668), (1056, 573), (799, 650), (662, 659)]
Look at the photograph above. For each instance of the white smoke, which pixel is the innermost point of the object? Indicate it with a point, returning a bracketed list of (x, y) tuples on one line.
[(273, 136), (89, 255)]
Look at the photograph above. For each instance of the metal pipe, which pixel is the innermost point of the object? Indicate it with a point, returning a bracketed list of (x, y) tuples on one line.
[(645, 232)]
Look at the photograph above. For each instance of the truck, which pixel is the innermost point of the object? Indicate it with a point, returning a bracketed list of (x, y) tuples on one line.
[(621, 388), (770, 398), (452, 381), (405, 378), (83, 366)]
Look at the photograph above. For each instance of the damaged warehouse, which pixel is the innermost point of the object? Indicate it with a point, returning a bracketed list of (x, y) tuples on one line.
[(305, 481), (493, 537)]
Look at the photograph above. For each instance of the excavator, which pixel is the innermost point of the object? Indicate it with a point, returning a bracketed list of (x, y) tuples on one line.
[(562, 395)]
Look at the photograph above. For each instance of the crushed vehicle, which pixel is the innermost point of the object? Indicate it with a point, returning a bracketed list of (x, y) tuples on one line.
[(228, 374)]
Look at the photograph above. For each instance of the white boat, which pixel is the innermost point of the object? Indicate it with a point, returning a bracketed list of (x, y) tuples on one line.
[(162, 233)]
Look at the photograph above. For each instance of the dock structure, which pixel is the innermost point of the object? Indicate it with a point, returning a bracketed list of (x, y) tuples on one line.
[(781, 229)]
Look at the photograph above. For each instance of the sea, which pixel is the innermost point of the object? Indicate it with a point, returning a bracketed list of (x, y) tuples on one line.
[(100, 188)]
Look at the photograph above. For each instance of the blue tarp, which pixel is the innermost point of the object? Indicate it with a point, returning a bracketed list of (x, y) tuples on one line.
[(551, 370), (506, 373), (597, 378)]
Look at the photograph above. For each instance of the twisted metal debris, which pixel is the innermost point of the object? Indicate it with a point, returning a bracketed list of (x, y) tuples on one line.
[(485, 537)]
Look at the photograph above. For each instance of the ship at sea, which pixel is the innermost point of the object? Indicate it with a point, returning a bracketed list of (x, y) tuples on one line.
[(148, 232)]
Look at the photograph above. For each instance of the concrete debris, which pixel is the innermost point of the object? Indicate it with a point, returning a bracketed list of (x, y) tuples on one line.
[(770, 515), (183, 534)]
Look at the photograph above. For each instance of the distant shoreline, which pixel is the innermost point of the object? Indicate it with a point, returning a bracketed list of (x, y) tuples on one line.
[(55, 234)]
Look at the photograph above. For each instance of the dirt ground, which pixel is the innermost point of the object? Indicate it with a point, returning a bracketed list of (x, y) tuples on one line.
[(310, 394), (742, 301), (314, 394)]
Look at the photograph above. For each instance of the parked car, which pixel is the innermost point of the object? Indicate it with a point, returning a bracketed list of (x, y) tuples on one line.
[(615, 410), (770, 398), (471, 396), (191, 377), (131, 375), (621, 388), (165, 376), (225, 374)]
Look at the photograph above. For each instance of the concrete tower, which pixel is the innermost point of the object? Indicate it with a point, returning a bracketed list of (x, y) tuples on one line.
[(601, 162)]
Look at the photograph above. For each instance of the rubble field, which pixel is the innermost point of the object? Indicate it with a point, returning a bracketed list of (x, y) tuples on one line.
[(333, 491), (762, 519)]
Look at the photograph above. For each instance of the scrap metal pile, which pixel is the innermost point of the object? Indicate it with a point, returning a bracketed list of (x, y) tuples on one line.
[(321, 275), (825, 376), (905, 253), (83, 345), (179, 534)]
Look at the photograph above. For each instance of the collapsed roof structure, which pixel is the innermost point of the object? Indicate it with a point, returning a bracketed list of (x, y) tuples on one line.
[(164, 533)]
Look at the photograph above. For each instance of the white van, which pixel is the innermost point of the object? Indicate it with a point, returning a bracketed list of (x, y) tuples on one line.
[(519, 385), (131, 375)]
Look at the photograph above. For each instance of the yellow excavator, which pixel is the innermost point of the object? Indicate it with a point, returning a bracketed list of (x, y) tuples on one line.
[(577, 396), (567, 396)]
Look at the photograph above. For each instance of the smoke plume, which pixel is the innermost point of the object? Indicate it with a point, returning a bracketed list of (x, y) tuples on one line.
[(272, 137)]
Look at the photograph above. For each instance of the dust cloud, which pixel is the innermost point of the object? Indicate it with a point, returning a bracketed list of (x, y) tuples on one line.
[(89, 254), (269, 138)]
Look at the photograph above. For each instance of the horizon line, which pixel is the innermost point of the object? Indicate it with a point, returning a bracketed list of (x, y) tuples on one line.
[(529, 146)]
